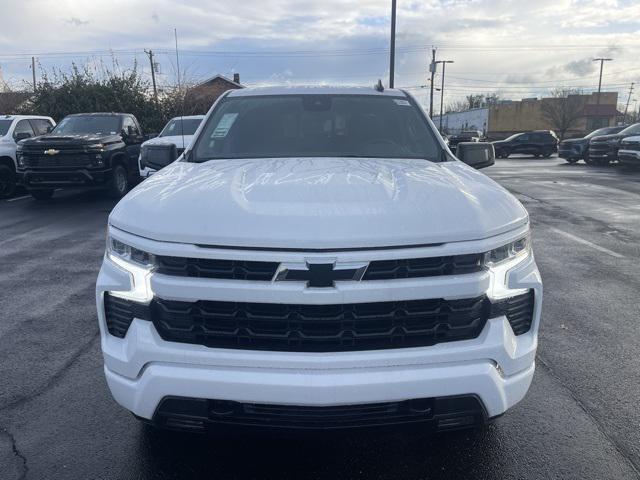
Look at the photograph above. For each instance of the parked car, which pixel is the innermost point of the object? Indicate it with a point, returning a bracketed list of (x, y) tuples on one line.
[(98, 150), (604, 148), (319, 259), (539, 143), (575, 149), (464, 136), (13, 129), (178, 132), (629, 152)]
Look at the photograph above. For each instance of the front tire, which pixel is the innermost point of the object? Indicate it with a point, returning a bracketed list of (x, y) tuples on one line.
[(42, 195), (119, 184), (8, 182)]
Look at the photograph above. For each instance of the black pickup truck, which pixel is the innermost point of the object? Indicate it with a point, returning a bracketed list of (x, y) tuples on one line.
[(84, 150)]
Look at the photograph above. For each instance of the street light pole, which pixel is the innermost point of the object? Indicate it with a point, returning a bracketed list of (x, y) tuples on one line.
[(432, 69), (444, 63), (392, 53), (601, 60)]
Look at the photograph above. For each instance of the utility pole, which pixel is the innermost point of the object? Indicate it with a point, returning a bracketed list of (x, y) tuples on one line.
[(153, 73), (432, 69), (601, 60), (444, 63), (626, 107), (33, 72), (392, 53)]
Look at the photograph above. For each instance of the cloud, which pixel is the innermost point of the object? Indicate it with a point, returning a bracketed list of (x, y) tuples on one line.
[(478, 34), (76, 22)]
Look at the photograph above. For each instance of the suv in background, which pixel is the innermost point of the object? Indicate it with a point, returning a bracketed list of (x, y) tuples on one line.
[(604, 148), (318, 259), (539, 143), (13, 129), (464, 136), (576, 149), (84, 150), (177, 132), (629, 152)]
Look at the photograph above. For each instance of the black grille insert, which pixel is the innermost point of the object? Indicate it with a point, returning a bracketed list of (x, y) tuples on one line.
[(211, 268), (320, 328), (423, 267)]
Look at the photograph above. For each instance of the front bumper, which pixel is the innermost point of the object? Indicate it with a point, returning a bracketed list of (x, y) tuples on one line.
[(497, 367), (603, 152), (571, 153), (37, 178), (629, 157)]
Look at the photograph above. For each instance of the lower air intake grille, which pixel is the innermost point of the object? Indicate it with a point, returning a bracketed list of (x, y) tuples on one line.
[(120, 313), (518, 310), (192, 414)]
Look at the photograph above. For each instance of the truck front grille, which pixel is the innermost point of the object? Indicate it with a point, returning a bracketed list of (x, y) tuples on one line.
[(265, 271), (319, 328), (61, 160)]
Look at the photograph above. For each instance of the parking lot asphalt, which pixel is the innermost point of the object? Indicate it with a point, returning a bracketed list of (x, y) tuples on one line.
[(580, 419)]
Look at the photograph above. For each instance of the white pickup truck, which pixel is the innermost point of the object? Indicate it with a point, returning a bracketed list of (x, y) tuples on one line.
[(14, 128), (318, 259)]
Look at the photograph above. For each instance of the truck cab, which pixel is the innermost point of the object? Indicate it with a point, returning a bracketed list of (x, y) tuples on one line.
[(13, 129), (91, 150)]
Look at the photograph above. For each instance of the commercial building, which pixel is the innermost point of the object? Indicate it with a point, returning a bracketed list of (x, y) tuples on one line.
[(508, 117)]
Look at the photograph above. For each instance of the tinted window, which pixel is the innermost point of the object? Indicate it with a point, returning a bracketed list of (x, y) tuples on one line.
[(40, 125), (5, 125), (523, 138), (129, 122), (316, 126), (23, 126), (632, 130), (176, 126), (100, 124)]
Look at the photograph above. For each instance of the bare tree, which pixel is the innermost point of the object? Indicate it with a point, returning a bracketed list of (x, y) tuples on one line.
[(563, 110)]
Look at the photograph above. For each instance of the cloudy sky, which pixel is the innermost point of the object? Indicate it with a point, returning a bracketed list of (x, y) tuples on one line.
[(517, 48)]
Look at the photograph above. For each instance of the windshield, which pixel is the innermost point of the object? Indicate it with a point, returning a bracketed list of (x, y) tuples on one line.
[(104, 125), (4, 127), (316, 126), (177, 126), (632, 129), (512, 137), (604, 131)]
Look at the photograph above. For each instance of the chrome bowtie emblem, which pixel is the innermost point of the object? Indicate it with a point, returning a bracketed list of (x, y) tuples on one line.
[(51, 151), (320, 273)]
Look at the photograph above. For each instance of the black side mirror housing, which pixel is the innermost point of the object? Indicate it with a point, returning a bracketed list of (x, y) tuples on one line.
[(49, 129), (159, 156), (476, 154), (22, 136)]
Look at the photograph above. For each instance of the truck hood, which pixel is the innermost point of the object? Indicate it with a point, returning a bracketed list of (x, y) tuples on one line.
[(318, 203), (52, 139), (604, 138), (171, 139)]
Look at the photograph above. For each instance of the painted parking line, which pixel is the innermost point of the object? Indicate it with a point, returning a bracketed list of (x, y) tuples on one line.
[(18, 198), (587, 243)]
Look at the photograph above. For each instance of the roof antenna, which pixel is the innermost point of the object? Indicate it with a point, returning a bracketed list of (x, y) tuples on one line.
[(175, 33), (378, 86)]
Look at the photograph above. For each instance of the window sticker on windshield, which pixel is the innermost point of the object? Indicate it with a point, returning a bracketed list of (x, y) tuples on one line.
[(224, 125), (402, 102)]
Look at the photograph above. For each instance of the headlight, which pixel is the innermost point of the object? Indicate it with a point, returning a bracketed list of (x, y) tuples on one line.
[(613, 141), (508, 252), (19, 157), (138, 263), (96, 146), (501, 260)]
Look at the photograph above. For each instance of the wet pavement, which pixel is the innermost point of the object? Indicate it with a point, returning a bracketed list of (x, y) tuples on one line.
[(579, 420)]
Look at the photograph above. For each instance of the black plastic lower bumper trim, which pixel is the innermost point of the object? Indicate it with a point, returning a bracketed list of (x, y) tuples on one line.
[(212, 416)]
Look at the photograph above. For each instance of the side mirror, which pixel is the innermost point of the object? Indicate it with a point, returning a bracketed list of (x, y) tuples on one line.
[(476, 154), (158, 156), (49, 129), (131, 131), (22, 136)]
